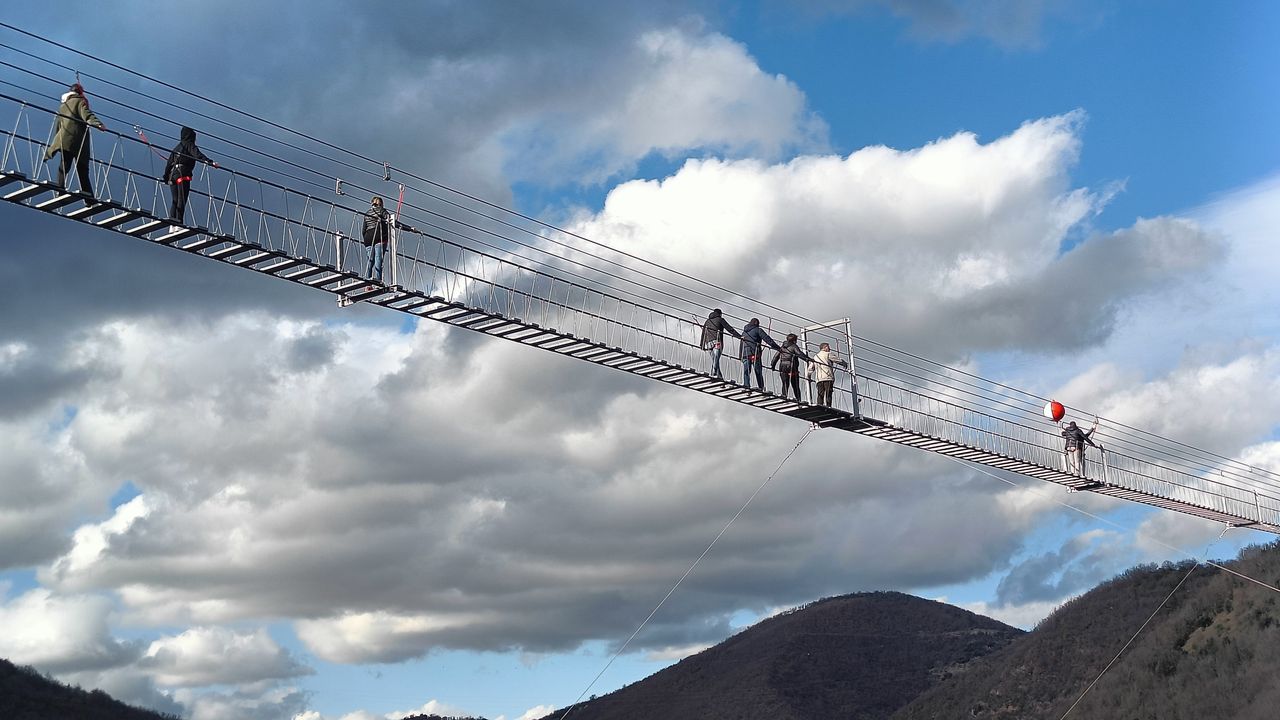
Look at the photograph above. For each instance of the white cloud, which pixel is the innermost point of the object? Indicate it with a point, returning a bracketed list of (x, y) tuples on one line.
[(61, 633), (1024, 616), (270, 704), (442, 538), (90, 542), (1160, 537), (670, 654), (536, 712), (685, 90), (377, 636), (44, 489), (1263, 456), (1219, 406), (430, 707), (216, 656), (959, 241)]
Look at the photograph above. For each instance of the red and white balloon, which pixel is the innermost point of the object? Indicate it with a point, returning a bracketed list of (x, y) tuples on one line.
[(1054, 410)]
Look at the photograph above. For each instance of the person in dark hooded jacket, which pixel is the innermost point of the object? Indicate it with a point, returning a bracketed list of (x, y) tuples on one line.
[(787, 362), (753, 340), (178, 169), (1076, 439), (376, 234), (71, 137), (713, 331)]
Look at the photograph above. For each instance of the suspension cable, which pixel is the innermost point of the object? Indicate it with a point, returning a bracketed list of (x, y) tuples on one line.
[(672, 591)]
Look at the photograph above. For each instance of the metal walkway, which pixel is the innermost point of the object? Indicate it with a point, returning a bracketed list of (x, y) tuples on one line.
[(466, 268)]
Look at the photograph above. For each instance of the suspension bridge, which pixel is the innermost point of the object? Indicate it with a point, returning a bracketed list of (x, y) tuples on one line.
[(290, 209)]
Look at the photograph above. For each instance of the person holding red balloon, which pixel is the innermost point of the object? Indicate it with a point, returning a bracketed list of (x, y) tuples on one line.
[(1076, 440), (1075, 437)]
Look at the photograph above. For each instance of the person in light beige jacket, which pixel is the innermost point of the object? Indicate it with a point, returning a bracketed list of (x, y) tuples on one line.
[(823, 370)]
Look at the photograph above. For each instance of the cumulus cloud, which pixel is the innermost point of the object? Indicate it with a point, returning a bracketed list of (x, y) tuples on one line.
[(1025, 616), (596, 494), (430, 707), (44, 490), (579, 92), (1190, 402), (28, 384), (61, 633), (1082, 562), (218, 656), (671, 654), (536, 712), (250, 704), (70, 637), (960, 243), (1156, 535), (692, 91)]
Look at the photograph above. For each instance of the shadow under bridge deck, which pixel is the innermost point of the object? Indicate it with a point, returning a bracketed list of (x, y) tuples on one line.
[(461, 269)]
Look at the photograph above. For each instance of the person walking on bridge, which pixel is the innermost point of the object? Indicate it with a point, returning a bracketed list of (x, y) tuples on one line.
[(177, 172), (71, 137), (823, 370), (713, 331), (787, 362), (753, 340), (377, 234), (1076, 440)]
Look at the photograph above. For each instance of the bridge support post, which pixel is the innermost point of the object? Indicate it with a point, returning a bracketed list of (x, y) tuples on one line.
[(392, 251), (848, 339)]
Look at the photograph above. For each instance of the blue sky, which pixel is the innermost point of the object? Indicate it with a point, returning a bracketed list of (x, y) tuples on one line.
[(140, 542), (1155, 79)]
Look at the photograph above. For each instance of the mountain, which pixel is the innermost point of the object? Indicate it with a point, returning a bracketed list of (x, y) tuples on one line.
[(855, 657), (27, 695), (1213, 651)]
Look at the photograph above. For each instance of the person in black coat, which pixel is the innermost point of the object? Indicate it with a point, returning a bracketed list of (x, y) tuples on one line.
[(177, 172), (787, 362), (1076, 440), (376, 235), (753, 340), (713, 331)]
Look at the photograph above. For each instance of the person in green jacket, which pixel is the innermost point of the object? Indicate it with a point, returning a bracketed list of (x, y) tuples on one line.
[(71, 137)]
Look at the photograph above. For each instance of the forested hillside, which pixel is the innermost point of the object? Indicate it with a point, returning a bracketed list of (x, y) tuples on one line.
[(855, 657), (1212, 652), (27, 695)]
